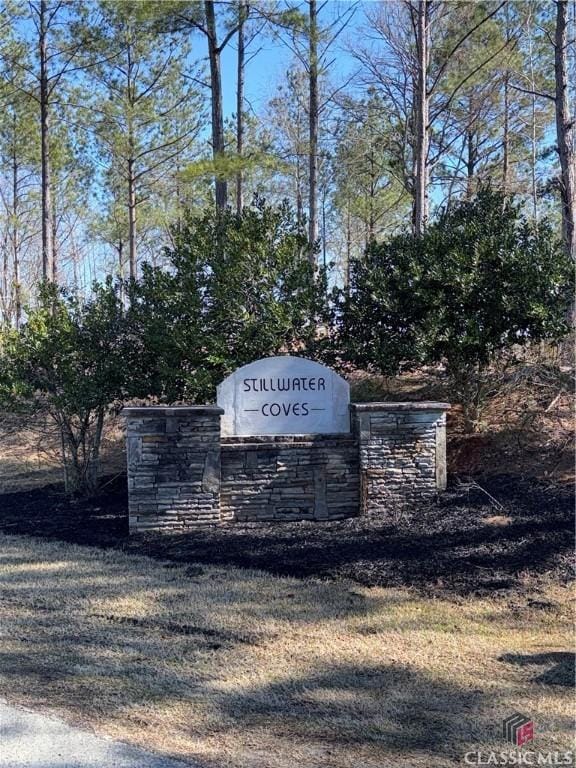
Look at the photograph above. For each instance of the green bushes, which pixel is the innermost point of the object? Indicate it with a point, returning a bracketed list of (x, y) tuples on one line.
[(72, 360), (238, 288), (481, 279)]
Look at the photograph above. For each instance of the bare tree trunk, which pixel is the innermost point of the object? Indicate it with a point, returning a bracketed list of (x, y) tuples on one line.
[(47, 242), (64, 458), (5, 287), (506, 138), (313, 131), (178, 191), (54, 246), (75, 275), (348, 246), (299, 195), (534, 160), (506, 118), (533, 121), (324, 248), (369, 198), (93, 465), (470, 165), (72, 469), (218, 145), (131, 164), (471, 153), (422, 117), (15, 231), (565, 129), (243, 11), (120, 249), (132, 219)]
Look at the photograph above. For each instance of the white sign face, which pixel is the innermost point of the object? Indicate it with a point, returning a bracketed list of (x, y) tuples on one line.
[(284, 396)]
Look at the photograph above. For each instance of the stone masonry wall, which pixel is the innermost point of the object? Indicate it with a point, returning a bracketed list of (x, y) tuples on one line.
[(173, 466), (182, 473), (290, 477), (402, 452)]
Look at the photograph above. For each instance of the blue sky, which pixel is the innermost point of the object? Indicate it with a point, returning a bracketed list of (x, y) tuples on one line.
[(267, 69)]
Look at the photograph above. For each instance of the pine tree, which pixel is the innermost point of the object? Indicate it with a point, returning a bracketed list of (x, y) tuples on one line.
[(140, 87)]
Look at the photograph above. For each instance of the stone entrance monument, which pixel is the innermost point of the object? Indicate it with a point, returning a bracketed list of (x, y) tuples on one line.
[(284, 396), (283, 443)]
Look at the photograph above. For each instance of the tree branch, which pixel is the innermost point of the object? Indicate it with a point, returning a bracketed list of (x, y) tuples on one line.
[(531, 92), (460, 43)]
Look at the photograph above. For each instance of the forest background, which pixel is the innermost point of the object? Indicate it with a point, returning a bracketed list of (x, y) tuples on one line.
[(187, 186), (368, 117)]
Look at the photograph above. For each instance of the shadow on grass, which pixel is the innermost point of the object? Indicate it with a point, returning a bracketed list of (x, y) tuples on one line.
[(127, 643), (561, 666), (389, 706)]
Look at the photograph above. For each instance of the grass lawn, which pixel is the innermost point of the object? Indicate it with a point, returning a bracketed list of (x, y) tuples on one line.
[(239, 668)]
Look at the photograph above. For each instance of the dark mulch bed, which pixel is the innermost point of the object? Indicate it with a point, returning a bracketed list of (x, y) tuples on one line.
[(465, 543)]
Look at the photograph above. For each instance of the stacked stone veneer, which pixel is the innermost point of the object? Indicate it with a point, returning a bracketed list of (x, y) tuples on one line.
[(173, 466), (290, 477), (402, 452), (183, 473)]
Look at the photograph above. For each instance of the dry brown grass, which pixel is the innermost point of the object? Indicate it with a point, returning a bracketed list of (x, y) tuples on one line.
[(237, 668), (527, 421), (30, 452), (28, 455)]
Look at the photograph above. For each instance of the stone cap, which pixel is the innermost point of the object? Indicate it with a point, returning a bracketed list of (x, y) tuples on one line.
[(389, 406), (142, 411)]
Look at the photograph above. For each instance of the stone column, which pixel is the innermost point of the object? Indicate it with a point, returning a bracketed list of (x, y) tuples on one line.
[(402, 452), (173, 457)]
